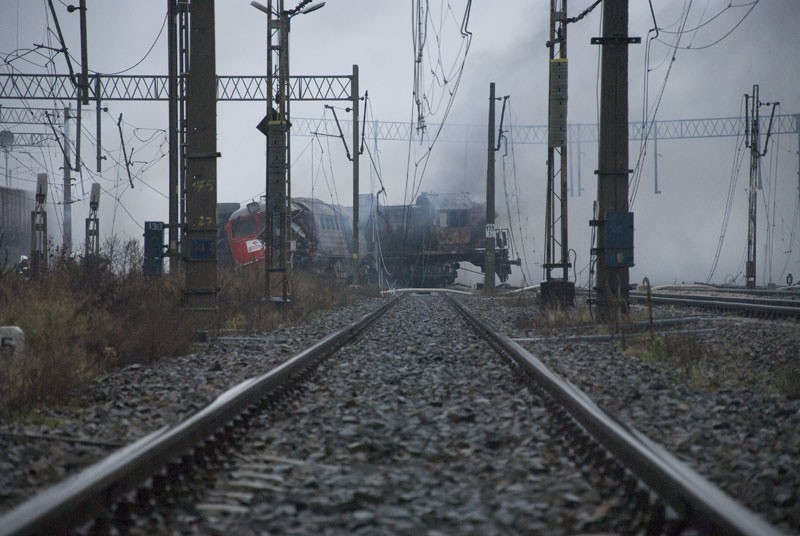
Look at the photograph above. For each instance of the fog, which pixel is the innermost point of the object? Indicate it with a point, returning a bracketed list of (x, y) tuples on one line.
[(704, 73)]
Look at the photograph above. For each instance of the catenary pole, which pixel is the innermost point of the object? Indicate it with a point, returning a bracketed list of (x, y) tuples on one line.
[(354, 94), (200, 292), (488, 281), (615, 222), (67, 187)]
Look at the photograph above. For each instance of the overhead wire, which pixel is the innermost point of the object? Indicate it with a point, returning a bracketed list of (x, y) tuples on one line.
[(139, 62), (420, 164), (49, 65), (738, 159), (420, 19), (752, 6), (649, 119), (375, 165), (516, 194), (332, 191), (794, 226), (770, 207)]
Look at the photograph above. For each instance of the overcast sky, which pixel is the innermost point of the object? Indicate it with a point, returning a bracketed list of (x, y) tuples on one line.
[(738, 44)]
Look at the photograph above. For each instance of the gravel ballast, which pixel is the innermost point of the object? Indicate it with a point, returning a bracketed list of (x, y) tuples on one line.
[(743, 435)]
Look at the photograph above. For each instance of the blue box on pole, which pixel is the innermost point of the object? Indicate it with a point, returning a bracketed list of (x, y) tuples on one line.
[(619, 239), (153, 248)]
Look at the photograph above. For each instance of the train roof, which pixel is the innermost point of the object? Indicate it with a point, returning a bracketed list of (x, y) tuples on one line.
[(451, 201), (437, 201), (246, 209), (317, 206)]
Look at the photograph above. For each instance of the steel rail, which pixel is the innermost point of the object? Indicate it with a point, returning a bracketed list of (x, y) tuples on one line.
[(86, 495), (700, 503), (789, 292), (774, 307), (729, 299)]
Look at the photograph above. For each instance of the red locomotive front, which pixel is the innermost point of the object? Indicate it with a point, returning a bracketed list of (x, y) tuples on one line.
[(245, 232)]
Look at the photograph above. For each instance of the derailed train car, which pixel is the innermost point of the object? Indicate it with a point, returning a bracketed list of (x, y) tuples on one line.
[(423, 244), (419, 245), (321, 234)]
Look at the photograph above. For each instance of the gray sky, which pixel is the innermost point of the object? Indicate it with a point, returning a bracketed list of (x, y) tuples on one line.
[(677, 231)]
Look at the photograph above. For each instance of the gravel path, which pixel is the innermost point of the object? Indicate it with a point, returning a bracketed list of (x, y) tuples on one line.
[(732, 427)]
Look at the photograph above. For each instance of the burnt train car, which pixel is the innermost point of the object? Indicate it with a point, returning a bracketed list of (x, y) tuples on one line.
[(321, 234), (418, 245), (423, 244), (15, 224)]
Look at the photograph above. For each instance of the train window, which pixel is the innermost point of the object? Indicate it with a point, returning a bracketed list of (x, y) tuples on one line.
[(329, 222), (457, 218), (246, 226), (501, 239)]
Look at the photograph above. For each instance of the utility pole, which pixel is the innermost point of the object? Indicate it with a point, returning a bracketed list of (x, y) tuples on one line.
[(174, 157), (356, 152), (276, 127), (557, 292), (488, 279), (83, 80), (6, 142), (615, 223), (200, 253), (67, 243), (751, 135), (752, 142)]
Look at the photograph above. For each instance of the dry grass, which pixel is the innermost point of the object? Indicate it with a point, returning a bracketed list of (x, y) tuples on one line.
[(242, 305), (81, 318), (787, 378), (557, 319), (680, 352), (549, 321), (714, 367)]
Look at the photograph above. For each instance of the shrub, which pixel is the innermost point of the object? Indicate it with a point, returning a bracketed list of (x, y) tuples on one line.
[(84, 316)]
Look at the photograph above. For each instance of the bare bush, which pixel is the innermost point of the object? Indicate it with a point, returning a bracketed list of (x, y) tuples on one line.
[(86, 315)]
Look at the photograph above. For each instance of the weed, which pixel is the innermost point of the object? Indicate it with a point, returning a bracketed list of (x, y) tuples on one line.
[(787, 379), (85, 316), (681, 352), (547, 321)]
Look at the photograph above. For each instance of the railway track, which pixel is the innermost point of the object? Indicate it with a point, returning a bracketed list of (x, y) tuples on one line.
[(351, 474), (769, 307)]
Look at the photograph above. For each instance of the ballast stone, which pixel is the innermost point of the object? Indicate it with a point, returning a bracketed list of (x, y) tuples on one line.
[(12, 340)]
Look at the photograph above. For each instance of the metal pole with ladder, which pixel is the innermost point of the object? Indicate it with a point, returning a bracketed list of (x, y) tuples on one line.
[(557, 292)]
